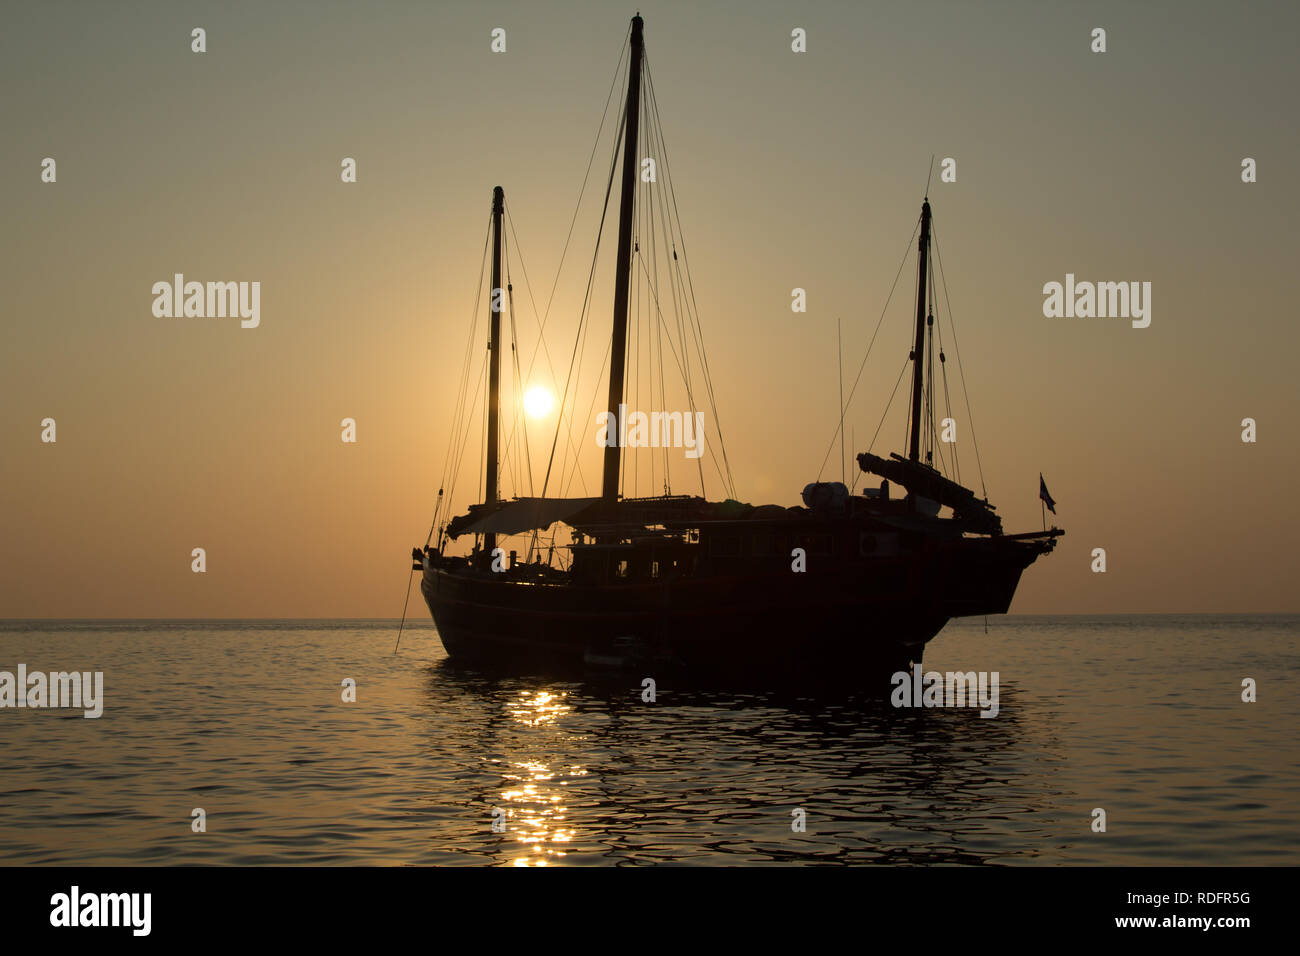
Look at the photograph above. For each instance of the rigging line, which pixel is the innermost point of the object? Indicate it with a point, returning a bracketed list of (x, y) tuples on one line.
[(629, 460), (464, 444), (580, 336), (960, 369), (907, 428), (618, 72), (690, 397), (871, 344), (683, 316), (935, 441), (463, 388), (473, 336), (695, 326), (657, 337), (684, 321), (482, 451), (644, 325), (591, 277), (631, 348), (460, 430), (931, 437), (541, 329), (583, 328), (594, 395), (839, 355), (462, 433), (898, 382), (947, 398), (630, 343), (570, 449), (512, 364), (405, 604), (540, 332), (690, 281), (928, 176), (519, 421), (654, 327), (659, 343), (566, 484), (584, 323), (632, 352), (521, 416)]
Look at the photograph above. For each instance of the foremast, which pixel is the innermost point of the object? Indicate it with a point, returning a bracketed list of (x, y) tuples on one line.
[(919, 477), (918, 351)]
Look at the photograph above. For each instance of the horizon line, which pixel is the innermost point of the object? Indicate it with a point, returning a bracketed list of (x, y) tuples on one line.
[(92, 620)]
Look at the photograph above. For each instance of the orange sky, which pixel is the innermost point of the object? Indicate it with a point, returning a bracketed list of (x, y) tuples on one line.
[(791, 170)]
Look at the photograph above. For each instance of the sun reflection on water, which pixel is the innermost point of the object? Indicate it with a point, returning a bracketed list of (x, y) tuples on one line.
[(533, 798), (533, 710)]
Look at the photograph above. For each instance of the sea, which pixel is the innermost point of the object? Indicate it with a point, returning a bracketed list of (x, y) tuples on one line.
[(1120, 740)]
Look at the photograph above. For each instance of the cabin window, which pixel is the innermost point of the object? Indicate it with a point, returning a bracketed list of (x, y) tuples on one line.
[(620, 569), (654, 569)]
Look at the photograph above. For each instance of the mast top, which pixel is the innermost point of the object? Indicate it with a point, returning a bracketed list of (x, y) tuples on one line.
[(498, 198)]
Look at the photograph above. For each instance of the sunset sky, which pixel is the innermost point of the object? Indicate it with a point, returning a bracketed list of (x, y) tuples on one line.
[(790, 169)]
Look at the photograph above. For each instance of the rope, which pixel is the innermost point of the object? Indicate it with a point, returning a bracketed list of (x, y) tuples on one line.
[(693, 312), (405, 604), (888, 405), (960, 370), (582, 316), (863, 365)]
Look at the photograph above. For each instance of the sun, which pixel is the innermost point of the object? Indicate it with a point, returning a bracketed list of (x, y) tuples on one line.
[(538, 401)]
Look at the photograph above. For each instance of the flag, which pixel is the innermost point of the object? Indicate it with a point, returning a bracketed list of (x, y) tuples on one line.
[(1042, 493)]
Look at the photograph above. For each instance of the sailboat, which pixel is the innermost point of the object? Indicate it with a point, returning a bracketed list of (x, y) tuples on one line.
[(849, 585)]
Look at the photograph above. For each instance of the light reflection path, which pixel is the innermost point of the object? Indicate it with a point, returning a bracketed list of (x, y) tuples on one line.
[(534, 801)]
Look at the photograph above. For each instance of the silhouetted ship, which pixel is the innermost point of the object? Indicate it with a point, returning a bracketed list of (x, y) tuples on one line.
[(712, 587)]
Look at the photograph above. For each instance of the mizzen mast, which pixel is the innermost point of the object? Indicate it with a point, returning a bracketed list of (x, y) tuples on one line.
[(623, 264)]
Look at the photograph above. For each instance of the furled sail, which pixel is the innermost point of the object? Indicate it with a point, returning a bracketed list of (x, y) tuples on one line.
[(517, 516), (922, 480)]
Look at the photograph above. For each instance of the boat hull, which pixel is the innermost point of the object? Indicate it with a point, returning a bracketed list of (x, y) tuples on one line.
[(851, 622)]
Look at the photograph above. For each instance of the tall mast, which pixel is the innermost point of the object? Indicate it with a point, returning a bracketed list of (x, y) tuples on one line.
[(623, 264), (495, 304), (918, 353)]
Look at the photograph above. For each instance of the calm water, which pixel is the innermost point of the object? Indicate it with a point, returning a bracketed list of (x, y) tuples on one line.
[(1141, 716)]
